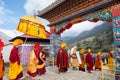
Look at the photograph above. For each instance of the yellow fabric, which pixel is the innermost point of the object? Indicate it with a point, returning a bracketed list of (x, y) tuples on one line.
[(14, 70), (32, 62), (111, 62), (17, 42), (83, 62), (1, 68), (40, 66), (74, 61), (32, 19), (98, 62), (32, 29), (63, 44)]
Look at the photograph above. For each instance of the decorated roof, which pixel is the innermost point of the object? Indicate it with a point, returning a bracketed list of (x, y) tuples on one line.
[(32, 19), (50, 7)]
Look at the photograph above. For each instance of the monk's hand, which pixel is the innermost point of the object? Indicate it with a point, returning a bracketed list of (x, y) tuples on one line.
[(19, 54)]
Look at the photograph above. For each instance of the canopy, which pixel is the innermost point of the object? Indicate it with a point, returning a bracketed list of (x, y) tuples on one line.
[(32, 26)]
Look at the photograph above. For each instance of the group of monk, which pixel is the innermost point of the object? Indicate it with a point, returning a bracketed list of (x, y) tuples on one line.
[(78, 61), (36, 62)]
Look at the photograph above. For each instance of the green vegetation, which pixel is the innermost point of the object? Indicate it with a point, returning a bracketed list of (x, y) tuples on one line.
[(100, 42)]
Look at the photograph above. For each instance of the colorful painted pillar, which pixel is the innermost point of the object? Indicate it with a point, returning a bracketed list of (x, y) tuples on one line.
[(116, 32), (55, 41)]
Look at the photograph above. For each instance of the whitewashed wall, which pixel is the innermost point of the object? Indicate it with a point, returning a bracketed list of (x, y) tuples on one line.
[(6, 52)]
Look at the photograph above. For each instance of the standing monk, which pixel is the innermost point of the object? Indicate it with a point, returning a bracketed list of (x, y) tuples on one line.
[(111, 60), (1, 61), (15, 69), (98, 61), (41, 64), (62, 60), (81, 66), (89, 61), (74, 58), (33, 61)]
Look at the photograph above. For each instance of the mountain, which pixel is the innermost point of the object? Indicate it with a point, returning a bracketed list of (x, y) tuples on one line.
[(67, 38), (6, 35), (95, 31)]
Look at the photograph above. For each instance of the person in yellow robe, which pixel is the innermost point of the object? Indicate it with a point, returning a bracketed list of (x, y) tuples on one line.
[(111, 60), (98, 61), (1, 61), (82, 57), (15, 68), (33, 62), (74, 60)]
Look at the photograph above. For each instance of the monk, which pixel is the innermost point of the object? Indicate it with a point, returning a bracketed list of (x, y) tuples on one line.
[(41, 63), (74, 60), (98, 61), (111, 60), (15, 69), (89, 61), (1, 61), (62, 60), (33, 62), (81, 66)]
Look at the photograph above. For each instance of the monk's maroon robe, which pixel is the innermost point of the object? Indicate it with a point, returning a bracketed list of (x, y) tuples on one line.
[(62, 60), (14, 56), (89, 62)]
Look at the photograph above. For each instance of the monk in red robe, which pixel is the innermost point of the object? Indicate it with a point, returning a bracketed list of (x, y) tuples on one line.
[(1, 61), (15, 69), (41, 63), (89, 61), (62, 60)]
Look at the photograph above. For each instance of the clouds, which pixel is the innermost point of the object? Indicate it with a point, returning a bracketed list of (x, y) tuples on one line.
[(37, 5), (6, 16), (80, 27), (31, 5)]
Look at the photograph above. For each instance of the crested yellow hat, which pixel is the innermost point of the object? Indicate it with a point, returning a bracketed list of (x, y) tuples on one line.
[(17, 42), (99, 53), (89, 50), (82, 51), (63, 44)]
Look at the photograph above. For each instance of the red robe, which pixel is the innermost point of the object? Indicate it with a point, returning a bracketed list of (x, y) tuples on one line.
[(41, 70), (14, 57), (89, 62), (62, 61)]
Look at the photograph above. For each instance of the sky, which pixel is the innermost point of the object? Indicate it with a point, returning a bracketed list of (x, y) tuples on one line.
[(12, 10)]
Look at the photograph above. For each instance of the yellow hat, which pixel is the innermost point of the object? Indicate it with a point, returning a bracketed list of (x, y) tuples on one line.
[(99, 53), (112, 51), (63, 44), (82, 51), (17, 42), (89, 50)]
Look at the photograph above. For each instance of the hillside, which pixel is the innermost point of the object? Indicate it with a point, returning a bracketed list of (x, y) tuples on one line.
[(95, 31), (101, 39)]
